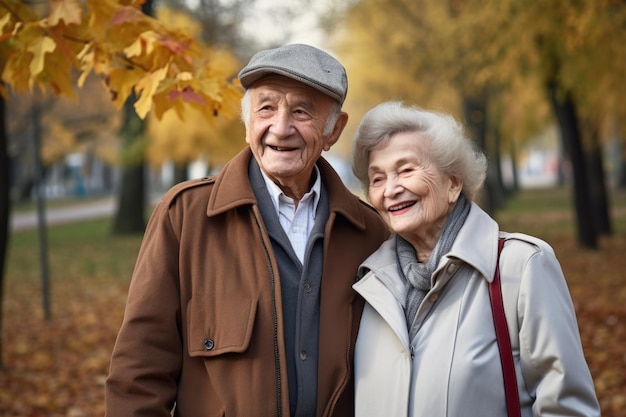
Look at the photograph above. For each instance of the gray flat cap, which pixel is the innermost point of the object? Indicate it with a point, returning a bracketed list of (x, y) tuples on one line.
[(303, 63)]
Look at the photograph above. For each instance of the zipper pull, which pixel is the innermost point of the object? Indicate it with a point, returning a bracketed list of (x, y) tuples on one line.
[(412, 351)]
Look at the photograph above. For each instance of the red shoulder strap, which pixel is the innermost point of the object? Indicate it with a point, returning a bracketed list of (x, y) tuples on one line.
[(504, 341)]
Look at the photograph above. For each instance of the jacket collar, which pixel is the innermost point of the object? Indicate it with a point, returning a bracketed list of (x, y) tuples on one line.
[(232, 189), (477, 242)]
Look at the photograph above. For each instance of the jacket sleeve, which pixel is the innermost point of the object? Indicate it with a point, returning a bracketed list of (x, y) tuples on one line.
[(147, 355), (552, 359)]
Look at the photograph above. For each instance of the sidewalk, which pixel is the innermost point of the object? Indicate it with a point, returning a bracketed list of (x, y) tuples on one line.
[(78, 211)]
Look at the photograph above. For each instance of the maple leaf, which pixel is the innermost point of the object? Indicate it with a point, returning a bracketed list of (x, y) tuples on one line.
[(121, 82), (4, 20), (144, 43), (176, 46), (188, 94), (86, 58), (70, 11), (146, 89), (126, 14), (211, 88), (101, 13), (39, 48)]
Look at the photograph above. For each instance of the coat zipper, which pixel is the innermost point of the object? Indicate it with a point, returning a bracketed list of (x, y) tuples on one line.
[(279, 410)]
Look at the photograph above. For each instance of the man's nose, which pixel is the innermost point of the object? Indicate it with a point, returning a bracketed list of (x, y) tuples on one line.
[(282, 124)]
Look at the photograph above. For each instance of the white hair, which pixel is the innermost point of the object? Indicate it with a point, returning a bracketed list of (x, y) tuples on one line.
[(450, 149)]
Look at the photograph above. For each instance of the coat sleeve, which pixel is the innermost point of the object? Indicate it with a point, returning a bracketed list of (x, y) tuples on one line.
[(553, 363), (146, 360)]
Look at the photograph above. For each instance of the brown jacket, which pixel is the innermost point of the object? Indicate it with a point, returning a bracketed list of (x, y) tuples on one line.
[(203, 330)]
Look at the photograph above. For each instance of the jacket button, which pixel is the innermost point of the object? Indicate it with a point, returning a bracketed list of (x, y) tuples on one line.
[(433, 297), (307, 287), (208, 344)]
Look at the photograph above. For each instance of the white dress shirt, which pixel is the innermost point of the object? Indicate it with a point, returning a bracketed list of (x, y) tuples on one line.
[(297, 221)]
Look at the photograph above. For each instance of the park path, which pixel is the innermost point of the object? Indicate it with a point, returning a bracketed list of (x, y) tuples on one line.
[(58, 215)]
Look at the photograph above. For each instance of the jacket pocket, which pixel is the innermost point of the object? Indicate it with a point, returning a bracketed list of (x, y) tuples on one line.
[(218, 326)]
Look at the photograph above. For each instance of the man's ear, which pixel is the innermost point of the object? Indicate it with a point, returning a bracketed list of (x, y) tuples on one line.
[(341, 123)]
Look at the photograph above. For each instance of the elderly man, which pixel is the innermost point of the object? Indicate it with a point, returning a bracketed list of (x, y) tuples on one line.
[(241, 301)]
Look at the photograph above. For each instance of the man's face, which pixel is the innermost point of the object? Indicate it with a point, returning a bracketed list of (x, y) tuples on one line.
[(286, 130)]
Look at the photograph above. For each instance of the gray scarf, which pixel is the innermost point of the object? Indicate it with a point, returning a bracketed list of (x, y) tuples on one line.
[(418, 275)]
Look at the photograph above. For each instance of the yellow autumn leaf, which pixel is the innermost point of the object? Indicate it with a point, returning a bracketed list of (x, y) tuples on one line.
[(39, 48), (150, 38), (162, 104), (146, 89), (61, 83), (210, 87), (85, 57), (70, 11), (101, 13), (135, 48), (4, 20), (15, 73), (121, 82), (184, 76)]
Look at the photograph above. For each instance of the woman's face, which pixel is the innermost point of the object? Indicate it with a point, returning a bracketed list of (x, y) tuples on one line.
[(411, 193)]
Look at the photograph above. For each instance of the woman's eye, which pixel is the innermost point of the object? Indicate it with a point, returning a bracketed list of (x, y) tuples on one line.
[(374, 181)]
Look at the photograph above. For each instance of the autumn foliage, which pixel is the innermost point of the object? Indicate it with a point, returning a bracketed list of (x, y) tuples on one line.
[(56, 46)]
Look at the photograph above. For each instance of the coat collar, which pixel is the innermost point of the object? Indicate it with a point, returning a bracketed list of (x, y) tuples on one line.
[(477, 242), (232, 189)]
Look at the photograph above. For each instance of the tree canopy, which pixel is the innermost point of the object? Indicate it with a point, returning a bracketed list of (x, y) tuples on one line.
[(430, 51), (166, 67)]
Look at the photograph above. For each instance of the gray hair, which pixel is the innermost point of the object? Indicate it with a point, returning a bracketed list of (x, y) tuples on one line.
[(335, 111), (450, 149)]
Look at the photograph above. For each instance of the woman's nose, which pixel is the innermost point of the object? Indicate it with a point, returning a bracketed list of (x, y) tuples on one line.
[(392, 186)]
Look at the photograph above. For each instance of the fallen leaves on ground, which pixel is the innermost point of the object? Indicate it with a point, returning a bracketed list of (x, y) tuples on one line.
[(58, 368)]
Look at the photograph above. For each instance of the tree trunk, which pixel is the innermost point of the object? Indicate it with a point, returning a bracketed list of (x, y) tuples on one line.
[(5, 208), (180, 172), (514, 169), (475, 112), (499, 187), (565, 112), (129, 218), (131, 205), (40, 199), (620, 180), (597, 185)]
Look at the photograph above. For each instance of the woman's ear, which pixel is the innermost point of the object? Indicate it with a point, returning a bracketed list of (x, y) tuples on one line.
[(454, 190)]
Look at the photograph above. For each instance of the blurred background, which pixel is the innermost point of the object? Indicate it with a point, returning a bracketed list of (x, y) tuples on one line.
[(539, 85)]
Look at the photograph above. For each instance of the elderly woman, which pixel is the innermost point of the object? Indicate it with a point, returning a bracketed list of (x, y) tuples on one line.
[(426, 344)]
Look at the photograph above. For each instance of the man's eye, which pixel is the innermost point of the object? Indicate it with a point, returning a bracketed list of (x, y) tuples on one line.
[(300, 114)]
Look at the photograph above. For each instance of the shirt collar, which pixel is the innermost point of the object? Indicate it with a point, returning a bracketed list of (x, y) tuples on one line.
[(276, 192)]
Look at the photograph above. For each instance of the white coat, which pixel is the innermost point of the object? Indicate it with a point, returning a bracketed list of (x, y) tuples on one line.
[(452, 367)]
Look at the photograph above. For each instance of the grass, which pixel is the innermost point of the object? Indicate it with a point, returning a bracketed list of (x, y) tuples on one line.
[(77, 251), (548, 213)]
